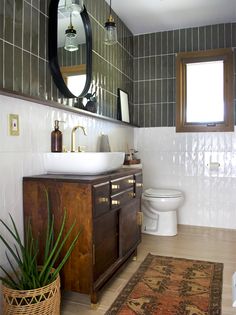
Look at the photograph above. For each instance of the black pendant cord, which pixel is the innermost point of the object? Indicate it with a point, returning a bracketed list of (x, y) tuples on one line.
[(110, 7), (70, 20)]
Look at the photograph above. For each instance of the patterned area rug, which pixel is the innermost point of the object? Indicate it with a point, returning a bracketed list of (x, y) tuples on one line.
[(172, 286)]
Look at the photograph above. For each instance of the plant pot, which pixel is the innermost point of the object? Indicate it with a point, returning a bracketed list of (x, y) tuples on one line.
[(40, 301)]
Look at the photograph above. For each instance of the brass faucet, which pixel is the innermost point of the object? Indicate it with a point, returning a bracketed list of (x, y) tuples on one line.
[(73, 136)]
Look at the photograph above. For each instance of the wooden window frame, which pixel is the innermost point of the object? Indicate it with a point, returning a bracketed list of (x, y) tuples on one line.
[(67, 71), (183, 58)]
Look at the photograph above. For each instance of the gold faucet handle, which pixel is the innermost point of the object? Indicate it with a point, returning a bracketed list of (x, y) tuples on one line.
[(84, 130), (73, 136), (81, 148)]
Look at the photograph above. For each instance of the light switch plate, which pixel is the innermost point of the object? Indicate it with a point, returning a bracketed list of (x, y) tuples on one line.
[(14, 129)]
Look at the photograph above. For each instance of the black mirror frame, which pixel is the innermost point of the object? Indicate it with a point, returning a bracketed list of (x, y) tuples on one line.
[(53, 55)]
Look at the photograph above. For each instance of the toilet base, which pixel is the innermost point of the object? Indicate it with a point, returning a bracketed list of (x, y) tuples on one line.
[(160, 223)]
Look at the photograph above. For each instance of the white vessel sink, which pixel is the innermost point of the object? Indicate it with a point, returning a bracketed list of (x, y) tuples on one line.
[(83, 163)]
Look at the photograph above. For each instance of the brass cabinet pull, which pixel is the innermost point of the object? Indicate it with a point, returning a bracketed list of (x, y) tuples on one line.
[(131, 194), (139, 218), (115, 202), (139, 185), (103, 200), (115, 186), (131, 181)]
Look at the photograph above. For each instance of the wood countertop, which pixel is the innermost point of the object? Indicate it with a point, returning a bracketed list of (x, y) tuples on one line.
[(86, 178)]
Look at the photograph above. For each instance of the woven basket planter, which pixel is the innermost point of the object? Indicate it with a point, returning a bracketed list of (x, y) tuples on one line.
[(40, 301)]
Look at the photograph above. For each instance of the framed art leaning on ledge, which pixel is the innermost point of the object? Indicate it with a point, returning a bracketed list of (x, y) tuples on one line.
[(123, 106)]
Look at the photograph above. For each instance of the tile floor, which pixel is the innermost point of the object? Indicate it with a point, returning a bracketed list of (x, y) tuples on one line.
[(191, 242)]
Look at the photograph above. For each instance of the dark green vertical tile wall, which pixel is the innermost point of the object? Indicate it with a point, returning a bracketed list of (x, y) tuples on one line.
[(18, 82), (1, 18), (112, 65), (143, 65), (8, 27), (24, 61), (66, 58), (154, 91), (18, 23), (1, 63), (23, 37)]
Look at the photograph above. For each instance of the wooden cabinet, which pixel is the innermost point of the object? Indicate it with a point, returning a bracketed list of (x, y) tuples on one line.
[(108, 209), (106, 243)]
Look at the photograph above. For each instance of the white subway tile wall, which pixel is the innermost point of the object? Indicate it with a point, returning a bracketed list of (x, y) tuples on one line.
[(22, 155), (181, 161)]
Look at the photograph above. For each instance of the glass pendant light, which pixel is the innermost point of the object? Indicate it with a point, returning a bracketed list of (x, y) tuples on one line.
[(70, 38), (110, 30), (74, 6)]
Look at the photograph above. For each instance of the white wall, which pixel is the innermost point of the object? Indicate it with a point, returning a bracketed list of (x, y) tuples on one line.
[(169, 160), (22, 155), (179, 160)]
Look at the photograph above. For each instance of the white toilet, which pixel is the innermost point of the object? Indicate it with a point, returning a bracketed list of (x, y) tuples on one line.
[(159, 207)]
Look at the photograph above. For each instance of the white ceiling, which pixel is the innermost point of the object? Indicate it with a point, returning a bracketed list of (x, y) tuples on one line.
[(148, 16)]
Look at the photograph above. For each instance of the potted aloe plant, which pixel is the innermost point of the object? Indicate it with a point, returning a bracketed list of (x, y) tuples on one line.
[(27, 287)]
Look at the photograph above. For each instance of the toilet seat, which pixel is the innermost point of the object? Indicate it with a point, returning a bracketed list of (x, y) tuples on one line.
[(162, 193)]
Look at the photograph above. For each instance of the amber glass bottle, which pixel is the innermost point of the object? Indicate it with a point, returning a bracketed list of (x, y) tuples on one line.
[(56, 138)]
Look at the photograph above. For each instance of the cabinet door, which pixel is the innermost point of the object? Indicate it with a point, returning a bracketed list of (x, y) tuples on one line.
[(130, 231), (138, 185), (106, 243), (101, 199)]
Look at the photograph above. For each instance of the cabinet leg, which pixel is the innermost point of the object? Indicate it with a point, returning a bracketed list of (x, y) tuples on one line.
[(94, 300), (94, 306), (135, 255)]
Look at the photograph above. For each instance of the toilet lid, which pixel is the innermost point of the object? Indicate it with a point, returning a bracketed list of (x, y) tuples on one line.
[(162, 193)]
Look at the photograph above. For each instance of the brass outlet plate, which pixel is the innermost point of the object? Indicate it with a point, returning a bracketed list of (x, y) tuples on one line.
[(14, 129)]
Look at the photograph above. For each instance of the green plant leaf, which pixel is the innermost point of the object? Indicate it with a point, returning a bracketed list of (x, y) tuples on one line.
[(13, 268), (50, 225), (64, 260), (9, 278), (17, 236), (11, 232), (25, 255), (11, 251), (47, 262)]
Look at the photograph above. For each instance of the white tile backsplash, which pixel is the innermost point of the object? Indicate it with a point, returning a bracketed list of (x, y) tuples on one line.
[(181, 160), (22, 155), (169, 160)]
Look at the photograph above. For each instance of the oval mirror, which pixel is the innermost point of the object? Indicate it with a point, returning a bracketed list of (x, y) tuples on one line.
[(70, 48)]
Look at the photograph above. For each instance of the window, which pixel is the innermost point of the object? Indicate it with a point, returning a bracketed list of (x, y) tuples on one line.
[(74, 77), (204, 83)]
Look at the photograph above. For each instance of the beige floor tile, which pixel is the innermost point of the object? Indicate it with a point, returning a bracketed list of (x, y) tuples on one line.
[(191, 242)]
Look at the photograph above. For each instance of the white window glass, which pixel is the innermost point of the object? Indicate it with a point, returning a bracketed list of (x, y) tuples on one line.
[(75, 83), (205, 92)]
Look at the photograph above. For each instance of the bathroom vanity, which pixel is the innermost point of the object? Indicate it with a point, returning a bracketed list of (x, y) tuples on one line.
[(107, 207)]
